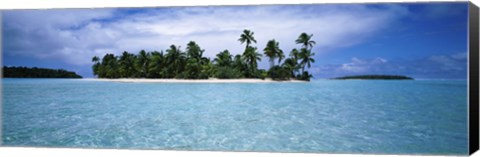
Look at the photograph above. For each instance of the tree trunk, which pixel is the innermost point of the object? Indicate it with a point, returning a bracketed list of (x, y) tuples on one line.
[(271, 63)]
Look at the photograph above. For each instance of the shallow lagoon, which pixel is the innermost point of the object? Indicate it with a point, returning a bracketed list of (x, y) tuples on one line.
[(322, 116)]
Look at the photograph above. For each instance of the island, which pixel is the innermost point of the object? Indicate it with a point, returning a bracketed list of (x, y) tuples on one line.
[(191, 64), (374, 77), (26, 72)]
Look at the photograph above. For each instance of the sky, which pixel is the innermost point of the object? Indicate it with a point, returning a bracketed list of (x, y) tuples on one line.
[(420, 40)]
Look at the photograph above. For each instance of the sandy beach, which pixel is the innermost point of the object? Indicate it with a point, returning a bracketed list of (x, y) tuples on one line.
[(211, 80)]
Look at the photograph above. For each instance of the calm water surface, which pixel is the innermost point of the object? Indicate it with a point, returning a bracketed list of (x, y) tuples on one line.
[(323, 116)]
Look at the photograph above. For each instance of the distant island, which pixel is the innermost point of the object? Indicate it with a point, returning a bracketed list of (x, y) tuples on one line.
[(26, 72), (375, 77), (190, 63)]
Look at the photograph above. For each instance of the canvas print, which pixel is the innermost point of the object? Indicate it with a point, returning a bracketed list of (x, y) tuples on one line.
[(387, 78)]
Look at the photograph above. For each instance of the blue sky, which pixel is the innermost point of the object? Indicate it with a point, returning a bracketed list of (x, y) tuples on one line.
[(422, 40)]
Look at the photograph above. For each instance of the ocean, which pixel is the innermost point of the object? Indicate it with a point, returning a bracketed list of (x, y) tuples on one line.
[(321, 116)]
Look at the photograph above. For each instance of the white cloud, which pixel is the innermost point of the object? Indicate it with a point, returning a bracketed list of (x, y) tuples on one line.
[(455, 62), (74, 36), (358, 65), (459, 56)]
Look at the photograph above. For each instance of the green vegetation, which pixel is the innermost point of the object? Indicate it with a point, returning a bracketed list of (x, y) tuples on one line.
[(191, 64), (375, 77), (25, 72)]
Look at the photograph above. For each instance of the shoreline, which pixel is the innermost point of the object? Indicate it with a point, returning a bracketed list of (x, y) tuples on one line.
[(211, 80)]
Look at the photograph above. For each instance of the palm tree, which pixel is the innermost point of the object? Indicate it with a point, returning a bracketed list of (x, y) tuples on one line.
[(223, 59), (251, 57), (240, 65), (110, 66), (238, 62), (305, 54), (294, 54), (305, 40), (306, 57), (194, 51), (192, 68), (272, 51), (291, 65), (96, 65), (157, 65), (247, 37), (143, 61), (176, 60), (208, 69), (280, 56), (95, 59), (127, 64)]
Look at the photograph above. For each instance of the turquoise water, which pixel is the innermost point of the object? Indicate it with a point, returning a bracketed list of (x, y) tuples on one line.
[(322, 116)]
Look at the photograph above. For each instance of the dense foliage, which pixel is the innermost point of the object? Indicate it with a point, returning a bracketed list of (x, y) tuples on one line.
[(191, 64), (25, 72), (376, 77), (279, 73)]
